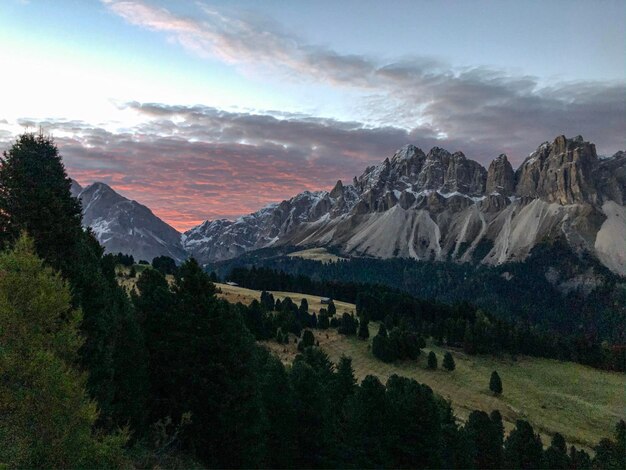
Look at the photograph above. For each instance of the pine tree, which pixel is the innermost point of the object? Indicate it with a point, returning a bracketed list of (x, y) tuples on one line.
[(483, 435), (331, 308), (344, 384), (165, 264), (523, 448), (495, 384), (432, 360), (35, 197), (47, 417), (448, 361), (556, 455), (348, 325), (364, 331), (308, 340), (322, 320)]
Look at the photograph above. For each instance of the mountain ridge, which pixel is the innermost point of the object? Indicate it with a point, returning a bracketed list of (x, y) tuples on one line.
[(442, 206)]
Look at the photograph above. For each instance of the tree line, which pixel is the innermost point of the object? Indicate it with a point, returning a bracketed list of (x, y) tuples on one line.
[(458, 325), (516, 291)]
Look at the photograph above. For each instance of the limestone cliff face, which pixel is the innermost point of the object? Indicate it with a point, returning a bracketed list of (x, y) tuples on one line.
[(443, 206), (561, 172), (610, 178), (500, 177)]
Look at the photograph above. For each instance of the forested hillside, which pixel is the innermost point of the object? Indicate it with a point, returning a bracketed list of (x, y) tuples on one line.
[(539, 291)]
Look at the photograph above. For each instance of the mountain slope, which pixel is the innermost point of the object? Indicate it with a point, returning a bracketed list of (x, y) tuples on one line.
[(122, 225), (444, 207)]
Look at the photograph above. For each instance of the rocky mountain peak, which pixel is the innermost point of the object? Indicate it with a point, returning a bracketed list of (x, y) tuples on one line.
[(442, 205), (560, 172), (500, 177), (407, 152), (122, 225), (337, 191)]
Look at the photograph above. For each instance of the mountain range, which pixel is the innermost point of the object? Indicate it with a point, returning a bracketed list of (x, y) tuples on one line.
[(435, 206)]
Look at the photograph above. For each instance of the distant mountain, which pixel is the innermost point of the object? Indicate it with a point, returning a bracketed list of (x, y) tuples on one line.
[(441, 206), (122, 225)]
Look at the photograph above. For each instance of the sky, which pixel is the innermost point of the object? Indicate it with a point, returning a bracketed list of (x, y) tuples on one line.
[(205, 110)]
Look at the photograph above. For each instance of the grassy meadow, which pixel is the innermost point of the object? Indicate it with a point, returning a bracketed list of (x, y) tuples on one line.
[(581, 403), (316, 254)]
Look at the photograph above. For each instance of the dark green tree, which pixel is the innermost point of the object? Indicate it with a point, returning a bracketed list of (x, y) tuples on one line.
[(448, 361), (312, 434), (279, 411), (208, 367), (332, 310), (348, 325), (308, 340), (344, 384), (364, 331), (165, 264), (415, 443), (579, 459), (496, 419), (322, 320), (35, 197), (495, 384), (611, 454), (366, 414), (432, 360), (47, 417), (523, 448), (380, 345), (556, 455), (483, 435)]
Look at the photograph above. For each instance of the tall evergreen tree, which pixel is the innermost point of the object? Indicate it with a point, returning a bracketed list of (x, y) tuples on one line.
[(448, 361), (495, 384), (331, 308), (523, 448), (364, 331), (47, 417), (556, 455), (432, 360), (344, 384), (483, 435), (35, 197)]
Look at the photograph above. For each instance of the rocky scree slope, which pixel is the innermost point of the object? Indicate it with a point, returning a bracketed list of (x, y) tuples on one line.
[(441, 206)]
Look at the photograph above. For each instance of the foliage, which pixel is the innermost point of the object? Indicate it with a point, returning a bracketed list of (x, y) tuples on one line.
[(165, 264), (47, 417), (448, 361), (432, 360), (495, 384)]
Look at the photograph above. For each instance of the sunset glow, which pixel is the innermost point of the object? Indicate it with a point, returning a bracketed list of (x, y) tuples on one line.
[(205, 110)]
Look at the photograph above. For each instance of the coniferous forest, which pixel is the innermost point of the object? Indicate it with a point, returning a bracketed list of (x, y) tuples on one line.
[(171, 376)]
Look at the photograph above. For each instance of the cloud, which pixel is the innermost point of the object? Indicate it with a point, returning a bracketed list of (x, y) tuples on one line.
[(488, 109), (192, 163)]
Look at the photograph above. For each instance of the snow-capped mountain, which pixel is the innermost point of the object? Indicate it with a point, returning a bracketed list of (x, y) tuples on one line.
[(443, 206), (122, 225)]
